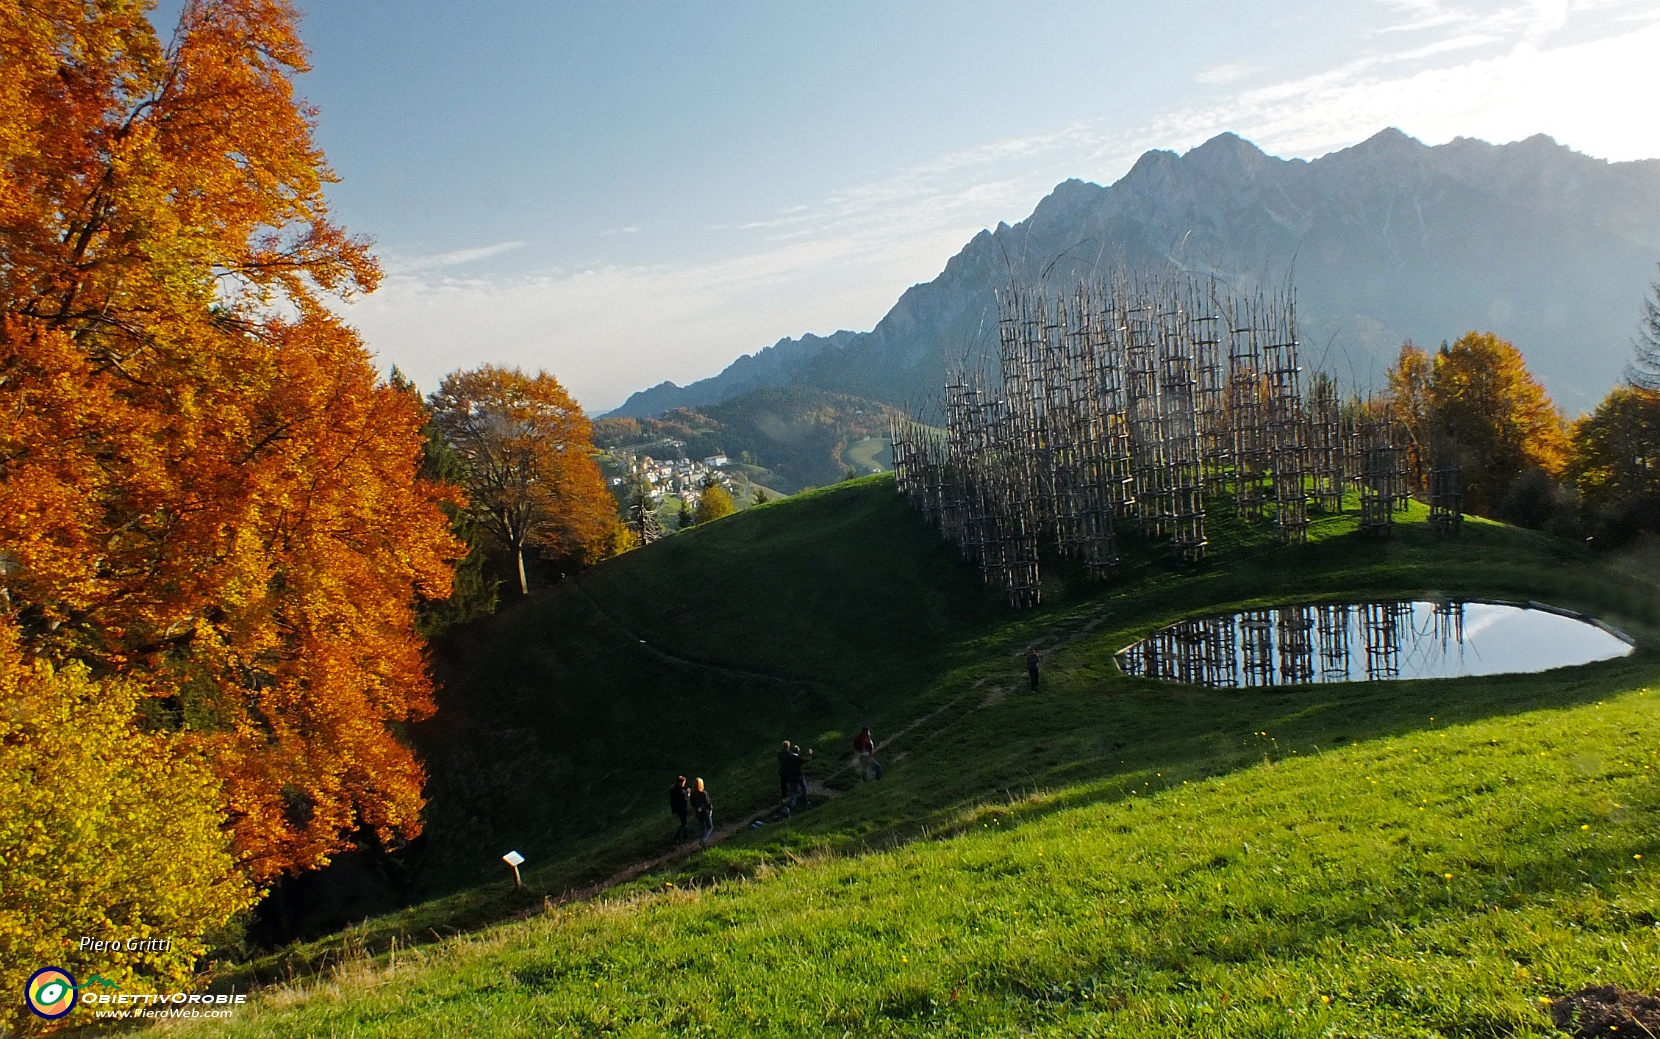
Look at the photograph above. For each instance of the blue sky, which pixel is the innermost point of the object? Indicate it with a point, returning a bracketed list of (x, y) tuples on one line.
[(628, 192)]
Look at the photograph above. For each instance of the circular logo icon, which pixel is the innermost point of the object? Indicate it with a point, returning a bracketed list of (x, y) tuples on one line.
[(51, 992)]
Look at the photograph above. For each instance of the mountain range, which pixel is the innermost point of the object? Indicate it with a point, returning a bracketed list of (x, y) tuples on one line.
[(1386, 241)]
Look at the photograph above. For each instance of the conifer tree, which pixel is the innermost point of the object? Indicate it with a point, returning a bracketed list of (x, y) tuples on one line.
[(642, 515), (1644, 370)]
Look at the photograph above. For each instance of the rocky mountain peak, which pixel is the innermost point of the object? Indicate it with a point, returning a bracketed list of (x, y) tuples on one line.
[(1389, 239)]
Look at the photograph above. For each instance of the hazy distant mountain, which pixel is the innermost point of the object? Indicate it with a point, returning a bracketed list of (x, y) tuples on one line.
[(777, 365), (1388, 240)]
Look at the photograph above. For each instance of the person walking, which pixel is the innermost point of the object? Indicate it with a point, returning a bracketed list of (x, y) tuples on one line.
[(705, 810), (864, 745), (788, 759), (1032, 662), (679, 802), (790, 779), (799, 780)]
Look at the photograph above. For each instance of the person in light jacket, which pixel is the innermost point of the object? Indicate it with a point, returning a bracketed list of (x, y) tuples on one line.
[(705, 810)]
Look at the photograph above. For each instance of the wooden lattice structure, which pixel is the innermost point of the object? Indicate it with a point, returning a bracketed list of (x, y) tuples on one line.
[(1445, 489), (1383, 469), (1327, 466), (1127, 405)]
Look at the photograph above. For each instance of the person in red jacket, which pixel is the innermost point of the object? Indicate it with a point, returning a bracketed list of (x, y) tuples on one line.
[(864, 745)]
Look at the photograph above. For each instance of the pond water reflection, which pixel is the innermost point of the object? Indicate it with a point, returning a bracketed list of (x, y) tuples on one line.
[(1372, 641)]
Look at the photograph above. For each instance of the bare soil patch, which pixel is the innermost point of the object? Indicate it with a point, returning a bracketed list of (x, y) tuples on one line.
[(1607, 1010)]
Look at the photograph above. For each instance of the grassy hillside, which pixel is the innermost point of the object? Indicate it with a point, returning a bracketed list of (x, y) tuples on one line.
[(559, 728), (564, 721), (1444, 882)]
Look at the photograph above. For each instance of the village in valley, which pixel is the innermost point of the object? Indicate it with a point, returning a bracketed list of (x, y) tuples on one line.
[(682, 479), (757, 447)]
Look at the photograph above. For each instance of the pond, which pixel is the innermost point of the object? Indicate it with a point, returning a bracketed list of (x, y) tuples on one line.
[(1371, 642)]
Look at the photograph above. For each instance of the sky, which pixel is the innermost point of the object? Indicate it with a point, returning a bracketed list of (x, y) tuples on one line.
[(640, 190)]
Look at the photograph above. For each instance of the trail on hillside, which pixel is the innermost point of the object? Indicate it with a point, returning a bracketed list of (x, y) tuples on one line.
[(674, 658), (816, 788), (1052, 642)]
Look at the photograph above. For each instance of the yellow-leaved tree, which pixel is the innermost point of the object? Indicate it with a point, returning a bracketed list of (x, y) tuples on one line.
[(107, 832), (1477, 398), (1616, 463), (713, 503)]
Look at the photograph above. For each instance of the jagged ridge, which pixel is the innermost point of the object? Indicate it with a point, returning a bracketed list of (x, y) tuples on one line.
[(1388, 240)]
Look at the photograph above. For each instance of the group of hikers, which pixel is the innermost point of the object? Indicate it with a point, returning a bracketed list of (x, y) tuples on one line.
[(684, 800), (688, 799)]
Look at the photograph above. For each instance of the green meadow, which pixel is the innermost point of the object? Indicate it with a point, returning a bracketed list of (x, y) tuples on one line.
[(1106, 856)]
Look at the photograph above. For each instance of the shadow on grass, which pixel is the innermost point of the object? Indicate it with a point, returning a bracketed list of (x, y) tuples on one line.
[(558, 727), (1101, 734)]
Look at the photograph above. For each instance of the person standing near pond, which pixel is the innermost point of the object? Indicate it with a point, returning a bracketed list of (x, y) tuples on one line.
[(864, 745), (1032, 663), (679, 802), (705, 810)]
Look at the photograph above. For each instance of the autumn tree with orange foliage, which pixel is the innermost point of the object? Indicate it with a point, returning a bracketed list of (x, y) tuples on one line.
[(527, 459), (205, 488), (1477, 397)]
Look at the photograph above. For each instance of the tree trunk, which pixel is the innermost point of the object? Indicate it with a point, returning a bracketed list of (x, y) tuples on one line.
[(519, 555)]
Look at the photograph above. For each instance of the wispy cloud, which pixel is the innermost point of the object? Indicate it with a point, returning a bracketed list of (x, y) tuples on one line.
[(1233, 72), (400, 264), (1443, 70), (1584, 94), (1425, 14), (606, 331)]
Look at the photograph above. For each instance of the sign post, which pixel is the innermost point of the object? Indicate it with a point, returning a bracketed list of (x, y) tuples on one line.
[(513, 859)]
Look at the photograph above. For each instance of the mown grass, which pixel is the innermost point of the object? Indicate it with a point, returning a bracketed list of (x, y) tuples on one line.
[(1442, 882), (808, 617), (869, 453)]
